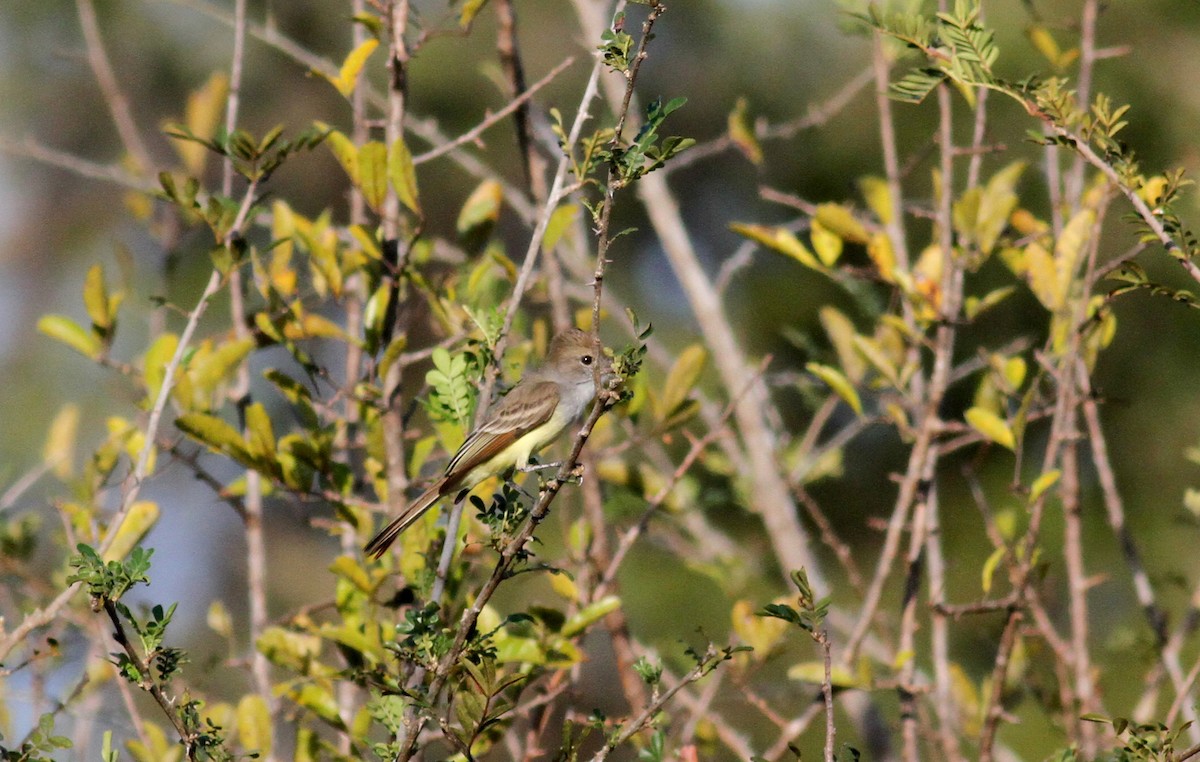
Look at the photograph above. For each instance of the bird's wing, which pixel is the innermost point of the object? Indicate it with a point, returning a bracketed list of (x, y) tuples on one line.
[(526, 407)]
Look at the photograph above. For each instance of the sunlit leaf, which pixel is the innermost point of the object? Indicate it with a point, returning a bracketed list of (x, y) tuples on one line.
[(481, 208), (838, 382), (875, 192), (558, 224), (66, 330), (991, 426), (1043, 483), (741, 132), (589, 615), (254, 725), (59, 450), (682, 378), (839, 220), (988, 573), (826, 243), (781, 240), (142, 516), (347, 76), (814, 672)]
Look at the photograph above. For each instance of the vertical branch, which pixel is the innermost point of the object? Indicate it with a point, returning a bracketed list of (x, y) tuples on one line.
[(939, 636), (393, 421), (1077, 584), (1087, 65), (256, 555), (355, 297), (909, 720)]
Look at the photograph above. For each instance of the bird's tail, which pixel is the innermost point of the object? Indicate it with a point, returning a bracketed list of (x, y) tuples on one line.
[(382, 541)]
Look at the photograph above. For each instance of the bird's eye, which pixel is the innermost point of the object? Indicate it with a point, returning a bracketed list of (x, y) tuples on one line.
[(586, 359)]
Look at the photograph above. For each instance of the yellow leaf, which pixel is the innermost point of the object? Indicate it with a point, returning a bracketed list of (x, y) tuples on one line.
[(741, 132), (202, 114), (218, 619), (682, 379), (780, 240), (557, 225), (564, 586), (875, 355), (343, 150), (260, 435), (59, 450), (254, 725), (1043, 483), (66, 330), (95, 298), (141, 517), (841, 334), (826, 243), (348, 568), (840, 221), (991, 426), (814, 672), (838, 382), (879, 249), (762, 633), (988, 572), (482, 207), (1069, 250), (589, 615), (875, 192), (372, 173), (347, 78), (1043, 280), (403, 175)]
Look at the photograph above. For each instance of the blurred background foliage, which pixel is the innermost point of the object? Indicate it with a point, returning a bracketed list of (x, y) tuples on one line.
[(783, 57)]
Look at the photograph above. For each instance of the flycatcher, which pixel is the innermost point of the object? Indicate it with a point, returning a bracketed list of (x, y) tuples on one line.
[(527, 419)]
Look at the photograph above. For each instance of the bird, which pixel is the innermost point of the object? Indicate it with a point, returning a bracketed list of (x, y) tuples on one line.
[(532, 415)]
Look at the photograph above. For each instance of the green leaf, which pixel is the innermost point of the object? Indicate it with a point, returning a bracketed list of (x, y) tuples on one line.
[(66, 330), (991, 426), (373, 173), (838, 382), (590, 614), (682, 379), (403, 175)]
